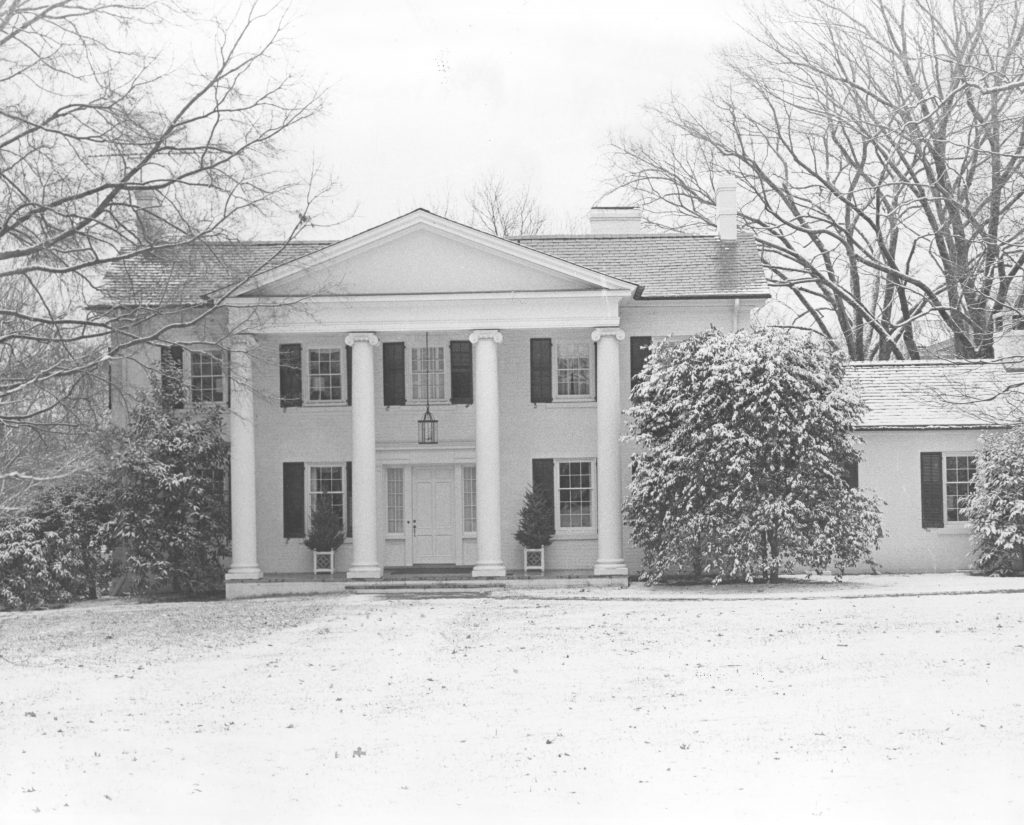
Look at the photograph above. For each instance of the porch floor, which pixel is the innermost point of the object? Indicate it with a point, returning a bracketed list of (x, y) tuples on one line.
[(415, 579)]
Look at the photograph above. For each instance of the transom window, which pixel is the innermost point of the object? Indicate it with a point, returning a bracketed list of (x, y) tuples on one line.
[(327, 481), (428, 374), (572, 369), (325, 375), (575, 494), (960, 470), (206, 377), (396, 499), (469, 499)]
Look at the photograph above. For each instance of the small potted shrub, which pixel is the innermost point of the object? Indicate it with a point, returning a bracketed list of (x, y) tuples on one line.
[(536, 527), (325, 535)]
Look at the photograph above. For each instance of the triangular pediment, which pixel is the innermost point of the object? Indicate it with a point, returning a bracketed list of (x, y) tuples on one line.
[(421, 253)]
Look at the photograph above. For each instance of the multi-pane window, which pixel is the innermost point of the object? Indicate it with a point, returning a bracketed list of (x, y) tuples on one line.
[(396, 499), (428, 373), (572, 369), (575, 494), (325, 375), (960, 471), (206, 377), (327, 482), (469, 499)]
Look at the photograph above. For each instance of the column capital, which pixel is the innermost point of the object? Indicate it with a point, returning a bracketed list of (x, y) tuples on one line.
[(242, 342), (362, 338), (607, 332), (485, 335)]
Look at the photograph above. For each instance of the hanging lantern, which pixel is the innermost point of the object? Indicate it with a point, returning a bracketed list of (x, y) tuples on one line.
[(428, 428), (428, 424)]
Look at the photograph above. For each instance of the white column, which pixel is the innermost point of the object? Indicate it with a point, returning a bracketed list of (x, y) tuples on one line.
[(609, 485), (488, 455), (244, 560), (365, 558)]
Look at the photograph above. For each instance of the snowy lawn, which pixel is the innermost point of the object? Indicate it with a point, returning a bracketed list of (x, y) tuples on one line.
[(893, 709)]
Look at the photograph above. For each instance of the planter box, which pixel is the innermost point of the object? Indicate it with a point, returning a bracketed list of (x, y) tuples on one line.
[(323, 562), (533, 559)]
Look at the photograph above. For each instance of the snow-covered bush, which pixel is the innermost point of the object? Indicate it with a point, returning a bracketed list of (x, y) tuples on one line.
[(743, 442), (996, 507)]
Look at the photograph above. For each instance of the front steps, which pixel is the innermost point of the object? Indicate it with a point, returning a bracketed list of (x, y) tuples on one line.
[(395, 582)]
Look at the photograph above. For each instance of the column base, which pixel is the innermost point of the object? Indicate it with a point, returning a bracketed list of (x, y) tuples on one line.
[(611, 568), (365, 571), (243, 574), (488, 570)]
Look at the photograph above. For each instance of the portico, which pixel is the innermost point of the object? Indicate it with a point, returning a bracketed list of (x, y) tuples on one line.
[(361, 311)]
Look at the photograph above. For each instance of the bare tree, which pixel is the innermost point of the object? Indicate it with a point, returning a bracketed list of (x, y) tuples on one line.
[(129, 130), (496, 207), (881, 146)]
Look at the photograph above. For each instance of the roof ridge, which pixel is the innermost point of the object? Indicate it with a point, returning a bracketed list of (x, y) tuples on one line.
[(925, 362)]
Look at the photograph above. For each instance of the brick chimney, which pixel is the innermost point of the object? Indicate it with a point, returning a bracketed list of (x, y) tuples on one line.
[(1008, 339), (615, 220), (725, 207), (147, 215)]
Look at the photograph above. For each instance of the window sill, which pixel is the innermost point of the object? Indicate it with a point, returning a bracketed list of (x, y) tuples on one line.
[(586, 534), (572, 401), (324, 404), (955, 529)]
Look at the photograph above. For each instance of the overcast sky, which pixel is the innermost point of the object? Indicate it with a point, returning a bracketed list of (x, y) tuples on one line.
[(429, 97)]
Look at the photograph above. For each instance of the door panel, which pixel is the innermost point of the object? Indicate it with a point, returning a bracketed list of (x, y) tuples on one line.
[(433, 509)]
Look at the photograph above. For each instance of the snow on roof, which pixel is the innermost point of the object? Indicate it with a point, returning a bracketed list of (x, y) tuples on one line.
[(937, 394)]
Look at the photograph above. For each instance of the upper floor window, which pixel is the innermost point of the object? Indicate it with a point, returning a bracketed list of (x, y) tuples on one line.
[(206, 376), (325, 374), (572, 369), (428, 373)]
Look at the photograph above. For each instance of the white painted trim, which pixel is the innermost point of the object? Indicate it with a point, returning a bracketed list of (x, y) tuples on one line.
[(473, 312), (443, 226)]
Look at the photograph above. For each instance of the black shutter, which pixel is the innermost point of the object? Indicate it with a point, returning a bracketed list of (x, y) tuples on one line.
[(348, 497), (851, 473), (544, 483), (348, 375), (931, 490), (394, 374), (462, 372), (639, 350), (290, 358), (294, 500), (172, 376), (540, 370)]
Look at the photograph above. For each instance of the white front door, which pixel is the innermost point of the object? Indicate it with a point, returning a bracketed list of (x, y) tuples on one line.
[(433, 513)]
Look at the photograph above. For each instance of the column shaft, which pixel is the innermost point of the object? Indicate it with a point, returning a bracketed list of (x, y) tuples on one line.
[(609, 481), (365, 557), (488, 454)]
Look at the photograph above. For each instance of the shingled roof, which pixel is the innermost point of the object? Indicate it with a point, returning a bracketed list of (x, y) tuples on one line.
[(184, 275), (937, 394), (661, 266), (664, 266)]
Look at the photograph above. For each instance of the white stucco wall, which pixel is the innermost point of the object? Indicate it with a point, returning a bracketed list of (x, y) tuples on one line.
[(891, 467)]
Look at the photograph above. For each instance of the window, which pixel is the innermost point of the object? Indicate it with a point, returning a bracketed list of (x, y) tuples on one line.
[(324, 375), (206, 376), (396, 499), (572, 369), (469, 499), (327, 481), (428, 374), (959, 484), (575, 494)]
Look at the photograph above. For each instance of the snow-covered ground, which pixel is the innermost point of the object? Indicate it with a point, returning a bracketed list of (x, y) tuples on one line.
[(620, 706)]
